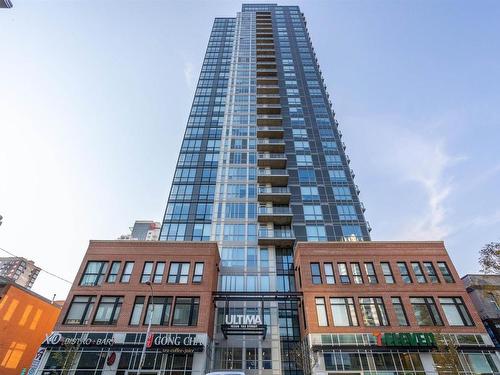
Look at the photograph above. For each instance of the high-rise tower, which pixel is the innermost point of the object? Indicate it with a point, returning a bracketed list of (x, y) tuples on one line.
[(262, 165)]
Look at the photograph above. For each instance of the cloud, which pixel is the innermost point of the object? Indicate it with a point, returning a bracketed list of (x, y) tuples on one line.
[(189, 75)]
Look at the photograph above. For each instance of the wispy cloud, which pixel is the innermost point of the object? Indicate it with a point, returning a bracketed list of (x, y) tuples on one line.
[(189, 75)]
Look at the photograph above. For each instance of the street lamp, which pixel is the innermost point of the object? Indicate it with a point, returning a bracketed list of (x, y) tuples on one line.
[(143, 354)]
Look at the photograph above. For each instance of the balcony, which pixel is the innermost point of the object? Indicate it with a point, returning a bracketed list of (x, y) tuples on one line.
[(268, 99), (278, 215), (275, 194), (271, 160), (265, 52), (266, 59), (267, 90), (267, 73), (275, 145), (270, 132), (276, 237), (268, 109), (276, 177), (269, 120)]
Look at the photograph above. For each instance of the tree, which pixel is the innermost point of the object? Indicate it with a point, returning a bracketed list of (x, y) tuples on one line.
[(446, 356), (303, 356), (489, 258), (65, 358)]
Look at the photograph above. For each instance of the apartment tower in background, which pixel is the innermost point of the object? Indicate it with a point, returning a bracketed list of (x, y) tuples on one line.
[(262, 165), (20, 270)]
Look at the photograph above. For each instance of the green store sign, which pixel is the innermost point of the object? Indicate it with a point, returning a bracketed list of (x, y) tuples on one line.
[(405, 339)]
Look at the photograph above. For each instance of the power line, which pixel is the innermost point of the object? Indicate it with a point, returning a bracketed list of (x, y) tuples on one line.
[(41, 269)]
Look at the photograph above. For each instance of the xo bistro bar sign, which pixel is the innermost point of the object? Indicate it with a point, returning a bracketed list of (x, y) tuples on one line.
[(405, 339), (175, 343)]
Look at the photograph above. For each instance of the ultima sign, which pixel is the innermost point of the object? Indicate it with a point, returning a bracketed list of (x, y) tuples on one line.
[(405, 339), (243, 320)]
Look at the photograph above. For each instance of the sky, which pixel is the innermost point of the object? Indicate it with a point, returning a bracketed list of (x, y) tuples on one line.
[(94, 99)]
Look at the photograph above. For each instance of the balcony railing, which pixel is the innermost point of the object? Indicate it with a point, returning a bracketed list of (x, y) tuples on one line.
[(276, 233), (272, 172), (270, 141), (275, 210), (273, 190), (266, 155)]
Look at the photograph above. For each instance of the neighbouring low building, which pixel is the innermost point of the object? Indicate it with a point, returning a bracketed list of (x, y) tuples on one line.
[(484, 291), (25, 319), (143, 230), (380, 307)]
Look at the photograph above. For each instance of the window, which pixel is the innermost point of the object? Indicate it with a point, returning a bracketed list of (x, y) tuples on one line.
[(373, 311), (158, 276), (431, 272), (425, 311), (387, 271), (186, 311), (370, 273), (316, 233), (347, 212), (267, 359), (419, 274), (352, 233), (312, 212), (309, 193), (108, 310), (159, 310), (198, 272), (329, 274), (400, 311), (344, 276), (135, 318), (146, 272), (304, 160), (315, 273), (455, 311), (342, 193), (343, 312), (127, 272), (321, 312), (80, 310), (445, 271), (356, 273), (113, 272), (306, 176), (179, 273), (94, 273), (405, 274)]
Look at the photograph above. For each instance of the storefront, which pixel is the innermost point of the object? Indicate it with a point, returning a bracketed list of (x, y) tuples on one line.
[(120, 353)]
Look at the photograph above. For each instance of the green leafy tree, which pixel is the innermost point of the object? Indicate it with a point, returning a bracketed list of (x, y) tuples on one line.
[(489, 258), (65, 358), (446, 356)]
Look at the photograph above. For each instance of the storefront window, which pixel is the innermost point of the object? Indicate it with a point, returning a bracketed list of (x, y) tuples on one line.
[(251, 359), (267, 359)]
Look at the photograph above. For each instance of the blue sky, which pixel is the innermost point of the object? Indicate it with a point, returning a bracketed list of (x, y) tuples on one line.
[(95, 98)]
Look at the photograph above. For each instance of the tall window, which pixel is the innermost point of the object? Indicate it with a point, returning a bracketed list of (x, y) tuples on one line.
[(455, 311), (309, 193), (135, 318), (186, 311), (343, 274), (370, 273), (108, 310), (343, 312), (426, 311), (316, 233), (198, 273), (405, 274), (315, 273), (158, 276), (431, 272), (356, 273), (113, 272), (352, 233), (419, 274), (80, 310), (329, 274), (312, 212), (94, 273), (387, 271), (146, 272), (445, 271), (127, 272), (161, 309), (179, 273), (400, 311), (321, 312), (373, 311)]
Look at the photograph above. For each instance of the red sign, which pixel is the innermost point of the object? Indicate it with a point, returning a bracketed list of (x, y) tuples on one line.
[(149, 340), (111, 359)]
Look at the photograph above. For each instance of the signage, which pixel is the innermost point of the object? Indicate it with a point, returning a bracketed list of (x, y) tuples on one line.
[(57, 339), (175, 343), (405, 339), (111, 359), (36, 361), (243, 325)]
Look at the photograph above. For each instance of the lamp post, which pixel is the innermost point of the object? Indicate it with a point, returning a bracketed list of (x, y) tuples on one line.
[(148, 331)]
